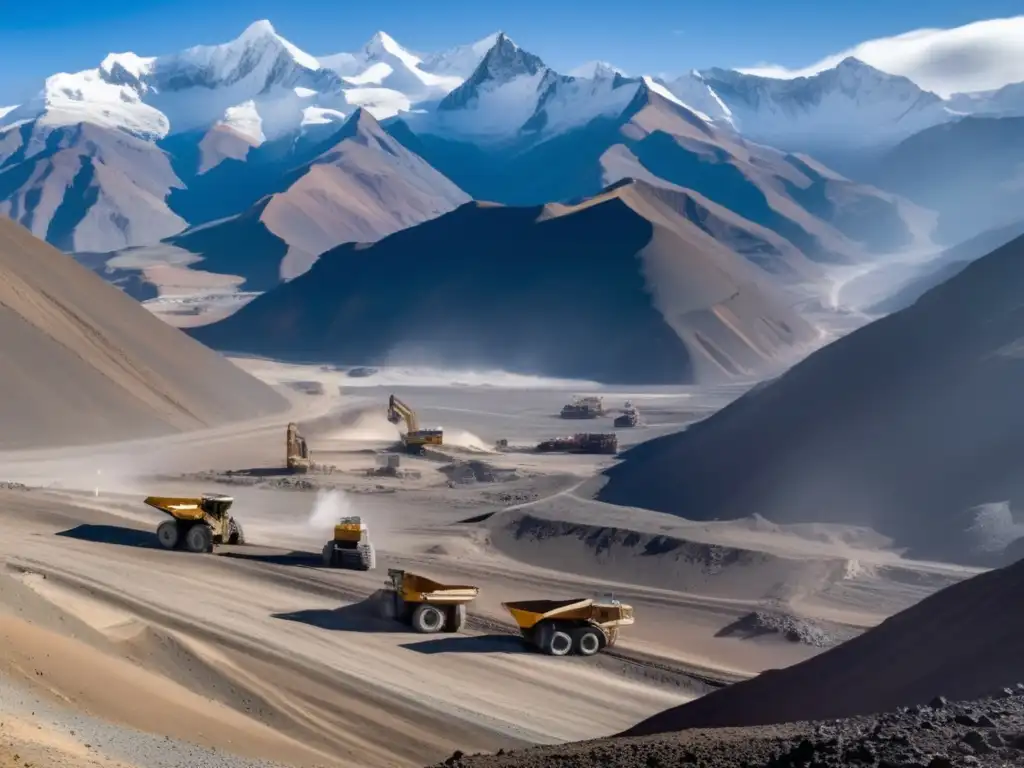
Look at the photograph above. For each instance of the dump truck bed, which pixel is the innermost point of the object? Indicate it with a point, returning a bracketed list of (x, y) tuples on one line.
[(529, 612), (182, 508), (420, 589)]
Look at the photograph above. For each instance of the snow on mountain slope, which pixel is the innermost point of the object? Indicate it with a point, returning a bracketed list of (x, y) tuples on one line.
[(150, 97), (384, 64), (513, 93), (461, 61), (595, 69), (851, 105), (692, 89), (87, 188), (1007, 101)]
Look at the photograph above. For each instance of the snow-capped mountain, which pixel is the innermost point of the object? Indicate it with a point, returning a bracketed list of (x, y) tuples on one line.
[(141, 147), (850, 106), (512, 94), (1007, 101)]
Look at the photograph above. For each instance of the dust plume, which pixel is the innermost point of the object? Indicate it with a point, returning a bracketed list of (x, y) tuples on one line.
[(330, 505)]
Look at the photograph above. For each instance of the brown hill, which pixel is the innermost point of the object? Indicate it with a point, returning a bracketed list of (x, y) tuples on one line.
[(963, 642), (910, 425), (360, 186), (825, 215), (85, 187), (84, 363), (556, 290)]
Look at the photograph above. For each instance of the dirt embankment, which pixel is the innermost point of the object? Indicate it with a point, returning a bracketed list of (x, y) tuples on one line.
[(986, 733), (632, 557), (84, 363), (910, 425), (963, 641)]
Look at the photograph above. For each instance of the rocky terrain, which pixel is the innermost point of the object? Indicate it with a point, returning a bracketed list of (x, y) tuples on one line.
[(942, 734)]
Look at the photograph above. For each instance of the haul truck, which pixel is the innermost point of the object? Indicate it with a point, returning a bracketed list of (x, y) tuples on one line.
[(426, 605), (561, 627), (196, 524)]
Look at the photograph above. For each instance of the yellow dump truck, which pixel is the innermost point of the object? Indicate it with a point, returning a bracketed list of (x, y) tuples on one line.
[(428, 606), (351, 547), (196, 524), (561, 627)]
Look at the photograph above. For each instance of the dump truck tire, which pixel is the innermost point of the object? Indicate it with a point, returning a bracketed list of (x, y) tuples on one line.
[(427, 618), (199, 538), (587, 641), (328, 554), (456, 618), (167, 534), (235, 533), (558, 643)]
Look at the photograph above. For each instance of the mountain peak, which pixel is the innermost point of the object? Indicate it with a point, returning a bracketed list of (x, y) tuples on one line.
[(380, 43), (504, 62), (596, 70), (257, 30)]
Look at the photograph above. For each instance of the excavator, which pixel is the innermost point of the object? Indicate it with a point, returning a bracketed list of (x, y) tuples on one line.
[(415, 439), (296, 451)]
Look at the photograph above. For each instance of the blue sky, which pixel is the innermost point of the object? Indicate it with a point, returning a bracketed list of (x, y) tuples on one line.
[(37, 39)]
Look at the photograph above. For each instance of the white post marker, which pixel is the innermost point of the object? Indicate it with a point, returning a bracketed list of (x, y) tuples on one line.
[(96, 490)]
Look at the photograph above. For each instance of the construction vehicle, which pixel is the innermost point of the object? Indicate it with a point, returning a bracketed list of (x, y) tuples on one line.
[(426, 605), (415, 439), (583, 442), (583, 408), (296, 451), (630, 416), (561, 627), (196, 524), (351, 547)]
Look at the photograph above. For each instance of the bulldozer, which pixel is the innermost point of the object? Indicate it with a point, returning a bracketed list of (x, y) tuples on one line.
[(426, 605), (414, 440), (564, 627), (297, 454), (196, 524), (351, 547)]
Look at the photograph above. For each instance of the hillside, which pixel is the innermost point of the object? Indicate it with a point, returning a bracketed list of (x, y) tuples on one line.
[(823, 214), (485, 287), (84, 363), (360, 186), (910, 425), (946, 265), (960, 642), (969, 171)]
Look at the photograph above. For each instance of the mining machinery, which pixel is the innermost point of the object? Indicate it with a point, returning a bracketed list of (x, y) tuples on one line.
[(414, 439)]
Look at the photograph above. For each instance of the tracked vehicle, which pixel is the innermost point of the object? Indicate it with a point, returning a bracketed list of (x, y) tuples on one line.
[(351, 548), (196, 524), (415, 439)]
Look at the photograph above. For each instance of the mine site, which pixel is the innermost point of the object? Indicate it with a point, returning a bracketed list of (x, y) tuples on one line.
[(413, 406)]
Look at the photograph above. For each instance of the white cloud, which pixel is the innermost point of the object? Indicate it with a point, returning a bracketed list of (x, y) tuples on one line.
[(981, 56)]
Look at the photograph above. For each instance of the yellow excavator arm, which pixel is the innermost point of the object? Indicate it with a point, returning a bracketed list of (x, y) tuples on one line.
[(399, 411)]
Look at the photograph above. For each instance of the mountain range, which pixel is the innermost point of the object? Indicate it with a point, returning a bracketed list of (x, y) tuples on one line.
[(242, 163)]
